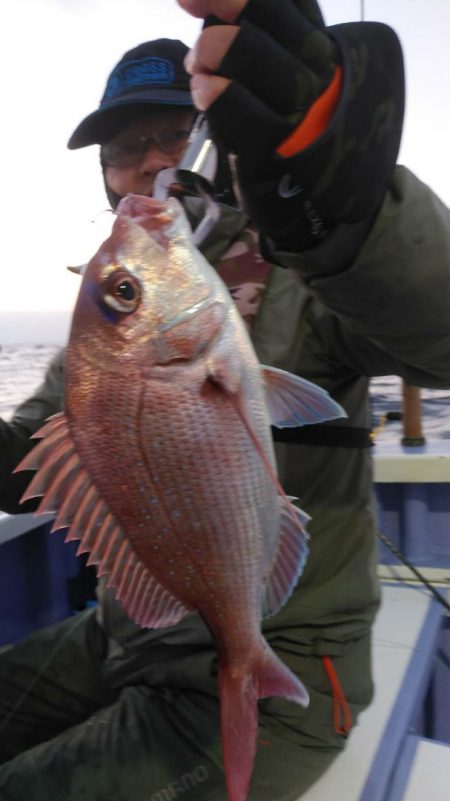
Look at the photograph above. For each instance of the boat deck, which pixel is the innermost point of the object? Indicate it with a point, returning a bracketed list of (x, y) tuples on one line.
[(430, 772), (386, 758)]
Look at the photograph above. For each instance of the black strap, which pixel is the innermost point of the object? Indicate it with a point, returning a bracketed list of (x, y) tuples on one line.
[(324, 435)]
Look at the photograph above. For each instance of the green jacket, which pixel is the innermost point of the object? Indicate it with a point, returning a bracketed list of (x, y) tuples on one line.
[(337, 319)]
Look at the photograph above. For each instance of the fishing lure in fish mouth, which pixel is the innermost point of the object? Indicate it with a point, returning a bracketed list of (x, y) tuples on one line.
[(162, 463)]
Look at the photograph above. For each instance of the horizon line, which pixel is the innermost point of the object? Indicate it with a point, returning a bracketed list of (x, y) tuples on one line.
[(35, 311)]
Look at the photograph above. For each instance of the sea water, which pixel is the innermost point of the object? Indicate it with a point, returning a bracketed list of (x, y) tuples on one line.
[(22, 369)]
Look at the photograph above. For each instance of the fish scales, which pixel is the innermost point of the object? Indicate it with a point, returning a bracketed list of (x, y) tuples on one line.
[(166, 427), (227, 503)]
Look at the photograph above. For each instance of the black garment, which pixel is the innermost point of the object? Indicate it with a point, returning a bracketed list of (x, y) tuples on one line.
[(89, 741)]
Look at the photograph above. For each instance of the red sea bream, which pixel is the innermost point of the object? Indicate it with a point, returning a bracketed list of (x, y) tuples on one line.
[(162, 462)]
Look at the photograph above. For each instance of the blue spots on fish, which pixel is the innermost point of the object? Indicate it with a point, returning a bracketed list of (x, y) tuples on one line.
[(91, 288)]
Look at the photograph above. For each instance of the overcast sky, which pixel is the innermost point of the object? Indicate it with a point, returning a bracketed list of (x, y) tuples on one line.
[(55, 56)]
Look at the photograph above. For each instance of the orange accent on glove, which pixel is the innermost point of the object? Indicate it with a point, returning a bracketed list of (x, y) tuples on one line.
[(316, 119)]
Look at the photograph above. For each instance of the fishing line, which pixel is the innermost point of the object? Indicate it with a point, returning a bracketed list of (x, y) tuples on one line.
[(440, 655), (79, 619), (402, 558)]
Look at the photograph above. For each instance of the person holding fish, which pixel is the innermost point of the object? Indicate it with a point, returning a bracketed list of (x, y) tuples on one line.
[(159, 458)]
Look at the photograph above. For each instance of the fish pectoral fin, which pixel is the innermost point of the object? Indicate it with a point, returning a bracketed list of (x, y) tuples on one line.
[(294, 401), (66, 488), (290, 557), (224, 374)]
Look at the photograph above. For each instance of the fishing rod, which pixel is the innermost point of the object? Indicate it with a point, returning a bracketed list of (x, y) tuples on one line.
[(402, 558)]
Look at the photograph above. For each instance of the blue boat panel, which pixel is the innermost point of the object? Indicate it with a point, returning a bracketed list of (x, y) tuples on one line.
[(416, 518), (396, 790), (35, 571), (437, 717)]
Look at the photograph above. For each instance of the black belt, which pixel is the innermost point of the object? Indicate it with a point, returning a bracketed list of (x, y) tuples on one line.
[(325, 436)]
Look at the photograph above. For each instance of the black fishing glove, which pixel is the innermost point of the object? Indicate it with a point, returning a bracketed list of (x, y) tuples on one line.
[(314, 116)]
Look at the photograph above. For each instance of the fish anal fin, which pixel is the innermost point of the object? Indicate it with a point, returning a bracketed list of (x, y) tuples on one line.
[(294, 401), (289, 559)]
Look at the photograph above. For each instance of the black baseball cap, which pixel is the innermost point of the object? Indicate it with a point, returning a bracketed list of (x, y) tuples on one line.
[(151, 74)]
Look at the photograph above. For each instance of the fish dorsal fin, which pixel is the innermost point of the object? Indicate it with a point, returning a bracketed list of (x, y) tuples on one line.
[(289, 559), (66, 486), (294, 401)]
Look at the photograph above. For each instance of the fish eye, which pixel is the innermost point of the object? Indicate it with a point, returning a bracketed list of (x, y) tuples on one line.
[(122, 292)]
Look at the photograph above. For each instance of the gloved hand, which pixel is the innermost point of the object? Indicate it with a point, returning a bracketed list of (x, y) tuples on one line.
[(313, 114)]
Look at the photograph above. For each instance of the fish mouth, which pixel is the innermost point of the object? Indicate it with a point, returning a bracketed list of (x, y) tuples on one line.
[(190, 334), (191, 311)]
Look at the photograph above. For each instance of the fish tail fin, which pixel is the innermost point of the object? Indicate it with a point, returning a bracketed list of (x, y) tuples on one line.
[(239, 695), (275, 678)]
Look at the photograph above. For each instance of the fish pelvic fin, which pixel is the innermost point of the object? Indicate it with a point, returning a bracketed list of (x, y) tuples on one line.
[(67, 490), (239, 694), (294, 401), (289, 559)]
